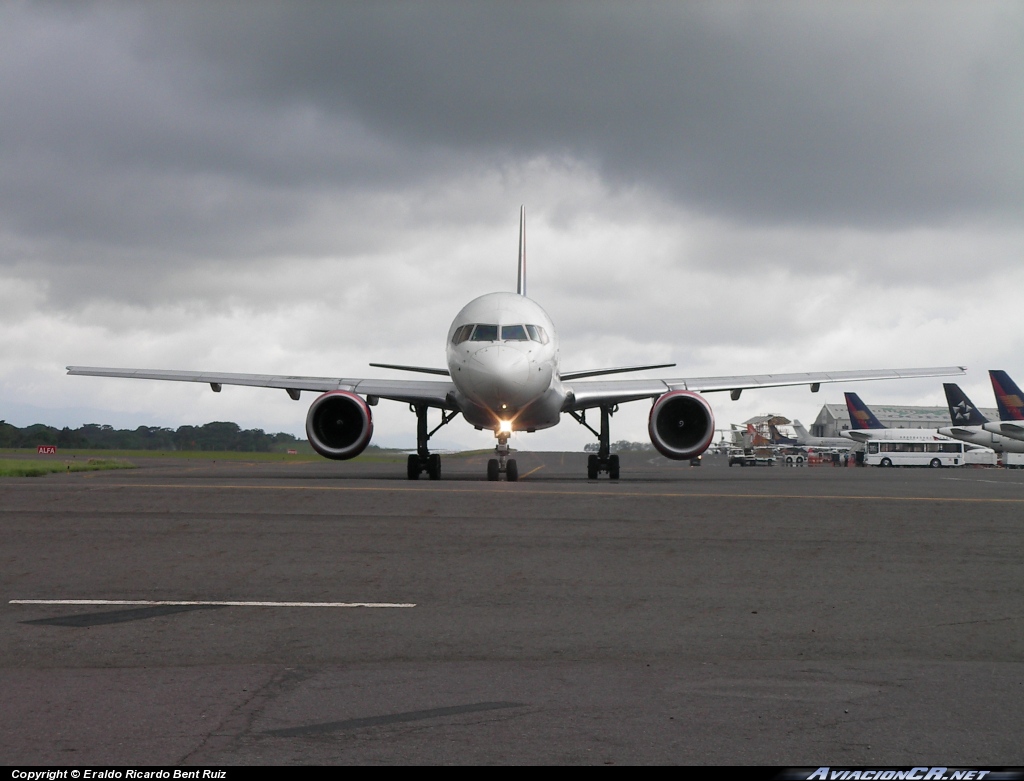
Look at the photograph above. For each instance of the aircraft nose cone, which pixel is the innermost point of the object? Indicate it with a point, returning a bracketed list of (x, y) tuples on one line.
[(498, 374)]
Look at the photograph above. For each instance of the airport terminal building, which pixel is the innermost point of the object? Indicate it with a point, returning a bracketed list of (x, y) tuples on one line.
[(834, 418)]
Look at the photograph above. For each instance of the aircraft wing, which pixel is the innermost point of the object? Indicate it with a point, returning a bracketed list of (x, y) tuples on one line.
[(595, 393), (433, 393)]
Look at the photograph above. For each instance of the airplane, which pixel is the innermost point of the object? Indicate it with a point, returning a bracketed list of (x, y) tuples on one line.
[(969, 424), (757, 439), (803, 436), (866, 426), (503, 374), (1010, 401)]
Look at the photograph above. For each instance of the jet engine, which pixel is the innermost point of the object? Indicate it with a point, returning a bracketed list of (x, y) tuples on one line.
[(339, 425), (681, 425)]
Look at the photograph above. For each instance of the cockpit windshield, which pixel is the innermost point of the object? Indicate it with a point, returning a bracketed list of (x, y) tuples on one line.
[(537, 334), (486, 332)]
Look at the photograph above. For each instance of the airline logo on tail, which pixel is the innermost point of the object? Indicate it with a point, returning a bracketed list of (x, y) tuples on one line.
[(861, 417), (1008, 396), (961, 411)]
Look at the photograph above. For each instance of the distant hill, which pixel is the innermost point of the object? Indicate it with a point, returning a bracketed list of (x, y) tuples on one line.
[(211, 436)]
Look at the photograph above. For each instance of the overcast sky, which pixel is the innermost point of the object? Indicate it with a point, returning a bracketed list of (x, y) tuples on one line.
[(304, 188)]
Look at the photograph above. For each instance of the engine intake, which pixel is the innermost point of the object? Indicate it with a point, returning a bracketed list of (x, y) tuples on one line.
[(681, 425), (339, 425)]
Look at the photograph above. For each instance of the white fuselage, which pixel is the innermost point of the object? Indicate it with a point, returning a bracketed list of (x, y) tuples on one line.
[(502, 354), (804, 438), (977, 435), (901, 434)]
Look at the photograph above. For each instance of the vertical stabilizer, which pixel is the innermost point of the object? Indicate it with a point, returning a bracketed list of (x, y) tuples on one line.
[(1008, 396), (961, 411), (861, 418), (521, 282)]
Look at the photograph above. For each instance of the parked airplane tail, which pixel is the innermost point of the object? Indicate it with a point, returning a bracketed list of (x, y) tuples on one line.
[(1009, 398), (756, 439), (860, 416), (961, 411), (802, 435), (778, 438)]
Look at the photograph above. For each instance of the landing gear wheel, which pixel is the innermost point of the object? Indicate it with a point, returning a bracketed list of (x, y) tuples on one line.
[(591, 467), (492, 469), (935, 463), (511, 470), (413, 466), (613, 467), (434, 466)]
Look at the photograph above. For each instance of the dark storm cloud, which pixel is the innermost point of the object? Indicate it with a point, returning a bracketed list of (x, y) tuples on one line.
[(217, 126), (843, 113)]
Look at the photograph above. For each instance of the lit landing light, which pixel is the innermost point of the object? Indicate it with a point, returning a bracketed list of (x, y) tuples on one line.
[(504, 427)]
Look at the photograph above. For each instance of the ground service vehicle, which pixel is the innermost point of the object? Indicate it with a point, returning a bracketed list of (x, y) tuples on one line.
[(752, 457), (913, 453)]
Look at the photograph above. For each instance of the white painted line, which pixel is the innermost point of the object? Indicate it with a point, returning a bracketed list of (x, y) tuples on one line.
[(150, 602)]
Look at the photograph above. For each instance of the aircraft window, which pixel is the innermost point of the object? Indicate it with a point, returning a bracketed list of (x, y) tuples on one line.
[(462, 333), (513, 333), (485, 333), (537, 334)]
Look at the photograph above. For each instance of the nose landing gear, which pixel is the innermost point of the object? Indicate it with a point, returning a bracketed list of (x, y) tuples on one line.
[(502, 464)]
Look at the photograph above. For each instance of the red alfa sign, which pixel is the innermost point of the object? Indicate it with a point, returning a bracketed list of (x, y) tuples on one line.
[(46, 450)]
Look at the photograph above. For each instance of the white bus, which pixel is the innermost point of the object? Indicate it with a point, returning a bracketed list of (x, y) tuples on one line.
[(895, 452)]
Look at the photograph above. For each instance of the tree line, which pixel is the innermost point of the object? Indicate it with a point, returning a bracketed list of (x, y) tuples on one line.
[(211, 436)]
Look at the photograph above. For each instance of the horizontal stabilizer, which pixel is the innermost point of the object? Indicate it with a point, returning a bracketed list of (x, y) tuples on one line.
[(421, 369), (956, 431), (616, 370)]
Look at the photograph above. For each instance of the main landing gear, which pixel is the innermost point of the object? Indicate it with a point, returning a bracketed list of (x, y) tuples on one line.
[(603, 461), (502, 464), (423, 460)]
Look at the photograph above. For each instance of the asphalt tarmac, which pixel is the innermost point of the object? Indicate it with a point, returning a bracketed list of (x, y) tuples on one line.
[(798, 617)]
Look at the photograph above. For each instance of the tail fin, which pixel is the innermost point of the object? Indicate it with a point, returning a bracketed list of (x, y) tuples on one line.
[(756, 438), (1008, 396), (860, 416), (802, 435), (961, 411), (521, 282), (778, 438)]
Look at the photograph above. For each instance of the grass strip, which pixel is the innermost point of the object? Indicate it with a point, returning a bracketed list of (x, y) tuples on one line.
[(37, 468)]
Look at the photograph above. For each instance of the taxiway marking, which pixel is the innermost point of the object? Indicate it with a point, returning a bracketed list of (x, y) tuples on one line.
[(492, 487), (157, 602)]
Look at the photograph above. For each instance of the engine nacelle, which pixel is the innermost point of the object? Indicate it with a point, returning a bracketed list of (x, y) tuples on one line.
[(681, 425), (339, 425)]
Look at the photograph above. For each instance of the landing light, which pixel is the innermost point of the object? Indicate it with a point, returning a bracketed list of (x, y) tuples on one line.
[(505, 427)]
